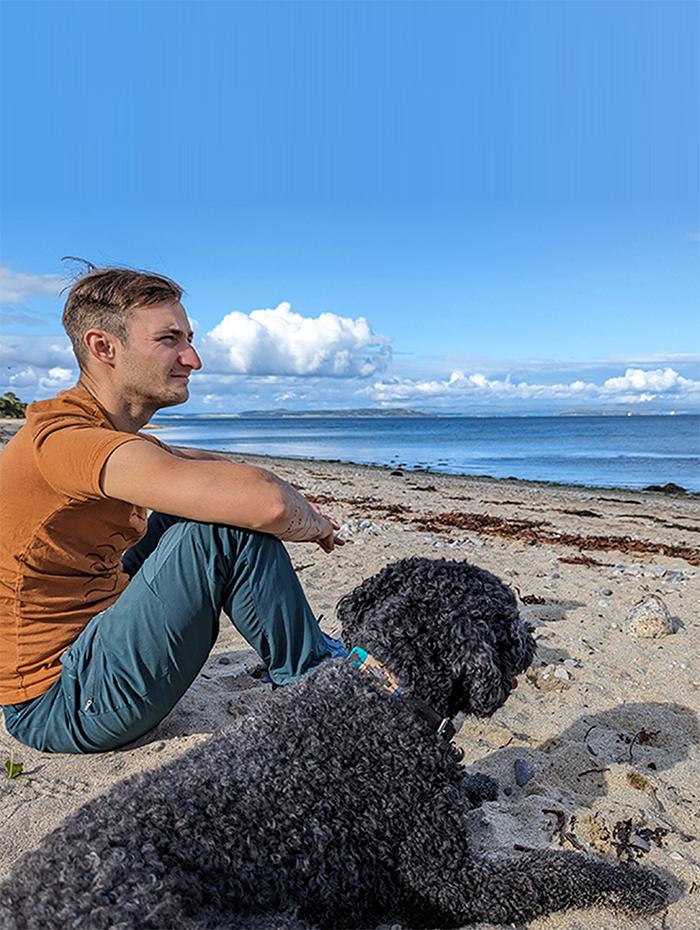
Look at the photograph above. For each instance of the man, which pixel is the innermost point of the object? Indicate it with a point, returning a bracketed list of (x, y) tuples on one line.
[(96, 650)]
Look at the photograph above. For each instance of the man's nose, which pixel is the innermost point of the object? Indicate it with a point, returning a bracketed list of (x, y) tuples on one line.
[(190, 359)]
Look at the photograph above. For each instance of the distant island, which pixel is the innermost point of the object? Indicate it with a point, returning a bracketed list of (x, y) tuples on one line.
[(283, 413)]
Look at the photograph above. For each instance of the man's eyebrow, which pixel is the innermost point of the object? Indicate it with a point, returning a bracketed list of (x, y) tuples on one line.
[(175, 331)]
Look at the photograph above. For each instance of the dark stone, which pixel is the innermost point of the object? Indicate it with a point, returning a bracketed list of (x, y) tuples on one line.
[(523, 771)]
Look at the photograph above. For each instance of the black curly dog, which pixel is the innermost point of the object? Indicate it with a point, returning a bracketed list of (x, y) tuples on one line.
[(335, 801)]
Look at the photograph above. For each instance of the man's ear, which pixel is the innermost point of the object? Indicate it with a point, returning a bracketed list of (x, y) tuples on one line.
[(102, 345)]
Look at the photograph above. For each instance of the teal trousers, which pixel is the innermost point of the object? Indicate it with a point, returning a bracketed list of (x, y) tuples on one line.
[(135, 660)]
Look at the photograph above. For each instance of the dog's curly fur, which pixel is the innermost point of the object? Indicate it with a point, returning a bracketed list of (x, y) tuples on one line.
[(333, 801)]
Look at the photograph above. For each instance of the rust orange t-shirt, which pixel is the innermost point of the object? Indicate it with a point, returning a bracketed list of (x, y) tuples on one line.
[(61, 539)]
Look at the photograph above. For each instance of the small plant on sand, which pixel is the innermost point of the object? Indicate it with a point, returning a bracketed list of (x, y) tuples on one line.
[(14, 769)]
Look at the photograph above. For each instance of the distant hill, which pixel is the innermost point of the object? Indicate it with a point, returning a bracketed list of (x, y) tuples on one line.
[(620, 410), (486, 410), (282, 412)]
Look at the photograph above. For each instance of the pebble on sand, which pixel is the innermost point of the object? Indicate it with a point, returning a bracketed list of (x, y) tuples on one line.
[(538, 613), (649, 618), (523, 771)]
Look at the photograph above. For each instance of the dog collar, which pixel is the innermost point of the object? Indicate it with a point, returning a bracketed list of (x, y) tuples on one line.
[(389, 683)]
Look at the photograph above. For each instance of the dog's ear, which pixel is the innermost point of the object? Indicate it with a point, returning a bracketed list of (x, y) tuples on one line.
[(483, 672), (479, 685)]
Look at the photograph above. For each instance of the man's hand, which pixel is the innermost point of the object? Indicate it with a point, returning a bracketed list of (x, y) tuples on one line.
[(329, 543)]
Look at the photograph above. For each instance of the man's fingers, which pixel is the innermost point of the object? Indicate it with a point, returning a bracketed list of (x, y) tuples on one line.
[(328, 543)]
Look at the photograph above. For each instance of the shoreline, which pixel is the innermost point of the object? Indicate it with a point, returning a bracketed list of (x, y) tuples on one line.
[(9, 426), (683, 493), (609, 722)]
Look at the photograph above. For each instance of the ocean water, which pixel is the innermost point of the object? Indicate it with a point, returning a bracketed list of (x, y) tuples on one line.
[(603, 451)]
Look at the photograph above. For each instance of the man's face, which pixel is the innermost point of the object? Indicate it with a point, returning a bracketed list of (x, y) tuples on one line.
[(155, 364)]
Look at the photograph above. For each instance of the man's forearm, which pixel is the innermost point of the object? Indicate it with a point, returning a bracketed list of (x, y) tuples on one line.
[(303, 519), (212, 491)]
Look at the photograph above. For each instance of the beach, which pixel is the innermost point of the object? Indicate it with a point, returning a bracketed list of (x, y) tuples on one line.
[(605, 721)]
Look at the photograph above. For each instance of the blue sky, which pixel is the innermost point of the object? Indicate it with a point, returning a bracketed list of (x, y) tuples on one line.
[(457, 206)]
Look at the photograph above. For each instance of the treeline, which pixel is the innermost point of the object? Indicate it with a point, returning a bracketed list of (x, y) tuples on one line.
[(11, 406)]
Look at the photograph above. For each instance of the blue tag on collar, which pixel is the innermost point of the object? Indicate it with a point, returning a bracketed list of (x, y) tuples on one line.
[(358, 656)]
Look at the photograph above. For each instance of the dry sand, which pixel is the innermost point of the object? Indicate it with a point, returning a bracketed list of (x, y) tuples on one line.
[(607, 721)]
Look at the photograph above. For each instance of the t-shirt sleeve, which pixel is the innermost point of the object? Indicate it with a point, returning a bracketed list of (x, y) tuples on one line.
[(71, 452)]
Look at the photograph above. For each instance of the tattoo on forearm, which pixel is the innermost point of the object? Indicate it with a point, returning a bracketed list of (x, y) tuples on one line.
[(302, 524), (295, 522)]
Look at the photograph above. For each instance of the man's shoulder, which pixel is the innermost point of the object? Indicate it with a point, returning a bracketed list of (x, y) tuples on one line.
[(74, 407), (75, 402), (67, 442)]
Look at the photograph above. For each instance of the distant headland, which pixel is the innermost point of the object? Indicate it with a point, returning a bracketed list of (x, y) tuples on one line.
[(284, 413), (280, 413)]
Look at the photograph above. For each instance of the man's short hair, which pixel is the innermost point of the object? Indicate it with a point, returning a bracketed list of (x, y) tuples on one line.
[(105, 298)]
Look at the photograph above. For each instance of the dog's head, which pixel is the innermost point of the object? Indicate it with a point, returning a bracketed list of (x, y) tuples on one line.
[(449, 631)]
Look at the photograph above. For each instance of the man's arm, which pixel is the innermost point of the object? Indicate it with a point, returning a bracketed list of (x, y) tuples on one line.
[(214, 490), (198, 454)]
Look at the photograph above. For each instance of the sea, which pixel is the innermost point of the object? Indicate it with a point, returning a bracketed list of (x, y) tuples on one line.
[(593, 451)]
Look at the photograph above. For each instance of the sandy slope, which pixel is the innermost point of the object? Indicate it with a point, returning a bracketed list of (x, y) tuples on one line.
[(613, 744)]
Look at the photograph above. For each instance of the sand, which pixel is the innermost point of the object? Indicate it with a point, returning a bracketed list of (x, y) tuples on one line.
[(606, 722)]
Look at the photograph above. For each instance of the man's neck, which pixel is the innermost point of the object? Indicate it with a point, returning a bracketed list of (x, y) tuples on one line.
[(124, 417)]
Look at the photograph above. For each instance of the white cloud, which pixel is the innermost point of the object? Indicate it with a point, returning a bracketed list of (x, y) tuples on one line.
[(36, 367), (16, 286), (21, 317), (41, 384), (659, 381), (40, 351), (635, 386), (280, 342), (278, 358)]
